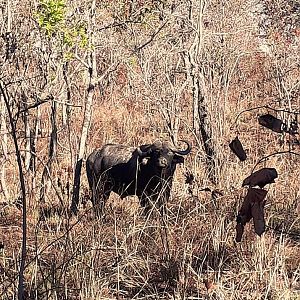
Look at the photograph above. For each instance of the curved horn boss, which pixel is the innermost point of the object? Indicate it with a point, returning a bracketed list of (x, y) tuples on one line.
[(185, 151)]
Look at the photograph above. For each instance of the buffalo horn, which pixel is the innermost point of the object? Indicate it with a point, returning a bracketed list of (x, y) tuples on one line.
[(183, 152)]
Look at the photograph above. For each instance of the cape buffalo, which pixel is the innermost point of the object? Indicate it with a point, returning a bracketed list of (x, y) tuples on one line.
[(146, 171)]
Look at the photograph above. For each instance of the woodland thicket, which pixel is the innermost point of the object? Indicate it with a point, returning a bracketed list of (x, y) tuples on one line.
[(75, 75)]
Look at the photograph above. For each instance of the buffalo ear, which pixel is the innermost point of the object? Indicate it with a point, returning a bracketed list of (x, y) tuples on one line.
[(177, 159)]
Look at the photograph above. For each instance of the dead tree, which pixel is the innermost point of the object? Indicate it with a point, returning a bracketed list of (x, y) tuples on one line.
[(52, 153), (25, 117), (12, 122), (92, 78), (4, 141), (201, 120)]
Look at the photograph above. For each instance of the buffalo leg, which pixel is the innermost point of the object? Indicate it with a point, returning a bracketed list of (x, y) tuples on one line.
[(164, 196), (145, 203), (99, 204), (101, 191)]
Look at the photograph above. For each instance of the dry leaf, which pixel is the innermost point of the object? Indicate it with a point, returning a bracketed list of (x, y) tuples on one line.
[(244, 215), (239, 231), (209, 285), (272, 123), (261, 177), (256, 195), (252, 207), (258, 219), (237, 148), (257, 209)]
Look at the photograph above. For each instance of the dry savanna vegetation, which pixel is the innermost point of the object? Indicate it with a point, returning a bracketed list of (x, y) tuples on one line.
[(76, 75)]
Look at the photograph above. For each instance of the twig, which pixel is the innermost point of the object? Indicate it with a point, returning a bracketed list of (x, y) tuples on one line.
[(107, 71), (114, 24), (293, 235), (266, 107), (273, 154), (67, 103), (81, 61), (38, 254), (34, 105), (23, 190), (151, 38), (6, 84)]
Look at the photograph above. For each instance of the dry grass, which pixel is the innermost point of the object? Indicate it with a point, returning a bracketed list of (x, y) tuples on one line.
[(188, 254), (191, 252)]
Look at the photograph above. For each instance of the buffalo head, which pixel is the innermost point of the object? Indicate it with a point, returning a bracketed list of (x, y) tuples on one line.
[(162, 154)]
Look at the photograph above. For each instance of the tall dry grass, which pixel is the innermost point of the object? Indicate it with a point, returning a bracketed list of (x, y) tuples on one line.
[(190, 253)]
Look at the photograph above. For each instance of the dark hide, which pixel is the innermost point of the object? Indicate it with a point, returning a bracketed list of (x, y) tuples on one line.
[(146, 171)]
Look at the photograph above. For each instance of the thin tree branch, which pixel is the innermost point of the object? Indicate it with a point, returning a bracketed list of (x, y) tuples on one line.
[(81, 61), (151, 38), (121, 24), (23, 190), (266, 107), (273, 154), (34, 105)]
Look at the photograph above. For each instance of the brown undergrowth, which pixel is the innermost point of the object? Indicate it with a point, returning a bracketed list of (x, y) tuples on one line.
[(190, 253)]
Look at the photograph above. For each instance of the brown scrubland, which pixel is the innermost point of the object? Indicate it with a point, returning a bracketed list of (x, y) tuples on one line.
[(76, 75)]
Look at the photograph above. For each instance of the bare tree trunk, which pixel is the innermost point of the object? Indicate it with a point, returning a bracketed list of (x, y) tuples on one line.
[(171, 110), (92, 79), (23, 192), (3, 138), (33, 142), (27, 154), (67, 109), (52, 154), (171, 116), (201, 121), (8, 34)]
